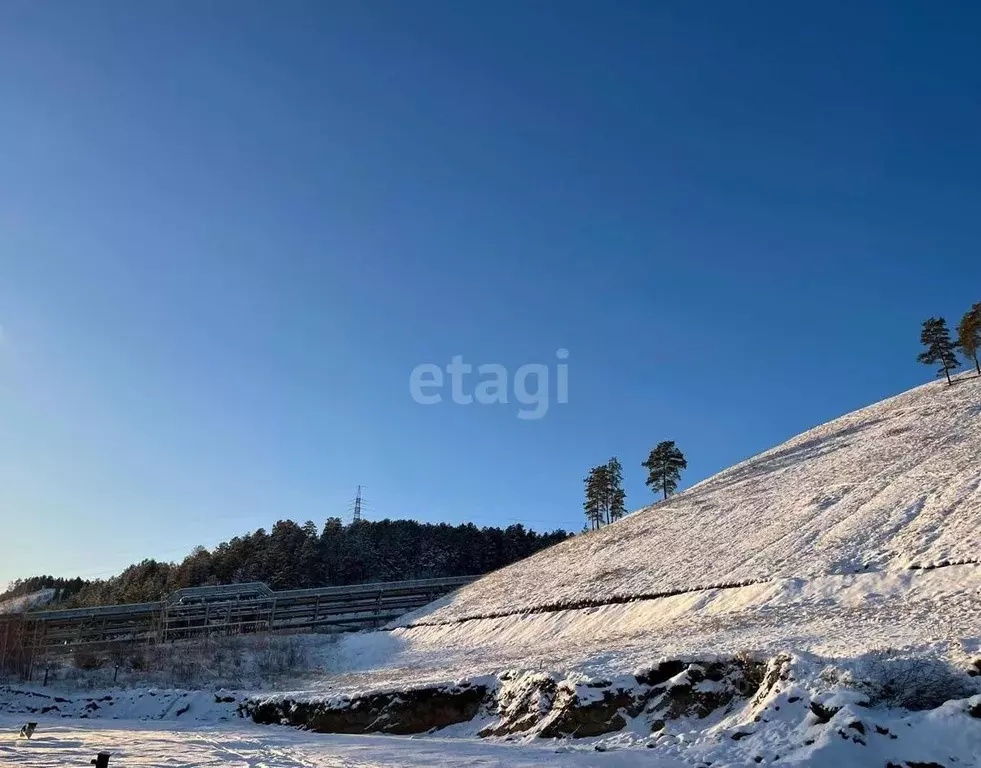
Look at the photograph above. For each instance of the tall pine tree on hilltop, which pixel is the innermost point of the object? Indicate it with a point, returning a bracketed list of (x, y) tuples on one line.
[(605, 499), (595, 498), (939, 347), (617, 499), (664, 467), (969, 334)]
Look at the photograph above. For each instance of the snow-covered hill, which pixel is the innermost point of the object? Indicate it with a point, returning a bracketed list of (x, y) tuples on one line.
[(890, 487), (861, 534), (816, 605), (853, 550), (27, 602)]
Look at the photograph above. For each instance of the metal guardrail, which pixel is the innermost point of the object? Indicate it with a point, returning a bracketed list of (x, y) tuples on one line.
[(240, 591), (450, 583), (90, 613), (233, 608)]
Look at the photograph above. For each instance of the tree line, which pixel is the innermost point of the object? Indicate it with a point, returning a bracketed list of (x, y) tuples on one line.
[(292, 556), (605, 498), (941, 349)]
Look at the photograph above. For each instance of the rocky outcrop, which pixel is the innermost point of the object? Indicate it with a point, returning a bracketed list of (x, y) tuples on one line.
[(590, 713), (533, 702), (521, 702), (398, 712)]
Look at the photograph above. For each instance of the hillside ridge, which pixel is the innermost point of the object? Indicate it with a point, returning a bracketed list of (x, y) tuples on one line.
[(894, 485)]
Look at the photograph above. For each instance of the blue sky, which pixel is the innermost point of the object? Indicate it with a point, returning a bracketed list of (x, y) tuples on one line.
[(229, 231)]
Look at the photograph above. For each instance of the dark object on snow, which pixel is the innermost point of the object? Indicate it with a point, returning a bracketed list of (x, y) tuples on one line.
[(28, 730), (101, 760)]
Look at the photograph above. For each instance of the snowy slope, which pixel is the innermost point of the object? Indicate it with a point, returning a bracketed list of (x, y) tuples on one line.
[(27, 602), (886, 488), (859, 536)]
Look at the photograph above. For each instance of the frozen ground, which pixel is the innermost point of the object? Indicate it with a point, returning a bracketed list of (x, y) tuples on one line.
[(58, 744), (780, 727)]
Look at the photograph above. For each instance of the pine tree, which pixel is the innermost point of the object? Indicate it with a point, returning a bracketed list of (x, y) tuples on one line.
[(603, 491), (591, 506), (969, 334), (597, 503), (616, 498), (939, 347), (664, 467)]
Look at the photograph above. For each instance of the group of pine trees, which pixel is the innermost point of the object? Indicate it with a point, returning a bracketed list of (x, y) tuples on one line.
[(291, 556), (605, 497), (941, 349), (606, 501)]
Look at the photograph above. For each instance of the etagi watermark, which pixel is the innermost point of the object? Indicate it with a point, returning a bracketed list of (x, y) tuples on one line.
[(531, 384)]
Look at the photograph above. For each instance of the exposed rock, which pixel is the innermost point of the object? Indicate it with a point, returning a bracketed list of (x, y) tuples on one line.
[(914, 764), (822, 713), (661, 673), (591, 717), (531, 702), (400, 713), (522, 702), (760, 677)]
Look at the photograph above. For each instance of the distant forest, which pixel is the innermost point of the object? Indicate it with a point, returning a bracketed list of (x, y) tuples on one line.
[(293, 556)]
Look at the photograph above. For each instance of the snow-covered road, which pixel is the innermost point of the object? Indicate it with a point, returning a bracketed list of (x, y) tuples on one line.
[(60, 743)]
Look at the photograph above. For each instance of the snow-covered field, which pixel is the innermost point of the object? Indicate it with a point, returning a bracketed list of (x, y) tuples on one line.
[(66, 743), (793, 724), (853, 549)]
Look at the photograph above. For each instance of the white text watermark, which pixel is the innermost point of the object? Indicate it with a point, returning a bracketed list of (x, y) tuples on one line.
[(529, 385)]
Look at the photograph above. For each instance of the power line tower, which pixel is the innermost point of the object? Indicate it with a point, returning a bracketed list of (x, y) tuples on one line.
[(357, 507)]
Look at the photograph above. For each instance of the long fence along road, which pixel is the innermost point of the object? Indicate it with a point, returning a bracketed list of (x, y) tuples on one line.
[(201, 611)]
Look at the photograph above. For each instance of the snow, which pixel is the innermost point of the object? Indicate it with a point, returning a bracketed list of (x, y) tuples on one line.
[(849, 548), (197, 728), (845, 539), (76, 742), (27, 602), (894, 485), (832, 615)]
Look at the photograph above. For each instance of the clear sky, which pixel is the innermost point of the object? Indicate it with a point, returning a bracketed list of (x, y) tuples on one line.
[(229, 231)]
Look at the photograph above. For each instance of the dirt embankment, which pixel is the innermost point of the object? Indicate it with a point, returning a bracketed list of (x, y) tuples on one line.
[(531, 702)]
